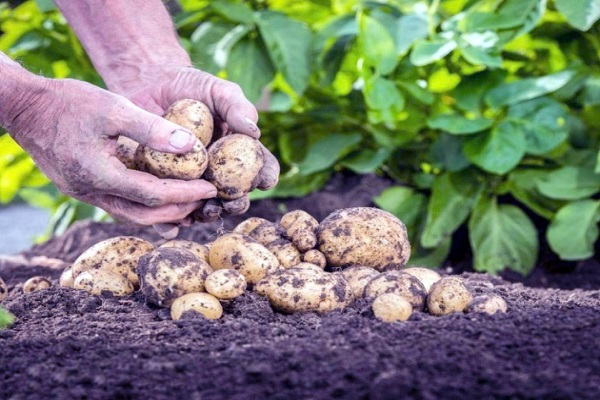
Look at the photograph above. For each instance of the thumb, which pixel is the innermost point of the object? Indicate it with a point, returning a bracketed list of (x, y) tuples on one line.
[(157, 133)]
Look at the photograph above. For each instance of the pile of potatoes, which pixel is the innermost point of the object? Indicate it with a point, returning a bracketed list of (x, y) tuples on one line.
[(298, 264)]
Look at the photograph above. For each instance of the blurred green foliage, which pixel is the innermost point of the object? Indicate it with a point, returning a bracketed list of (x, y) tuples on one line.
[(6, 319), (485, 112)]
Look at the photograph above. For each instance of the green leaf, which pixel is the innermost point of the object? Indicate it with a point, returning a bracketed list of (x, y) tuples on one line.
[(502, 236), (233, 11), (499, 150), (383, 94), (432, 257), (469, 93), (591, 90), (224, 46), (366, 161), (526, 89), (404, 202), (325, 152), (6, 318), (581, 14), (249, 66), (377, 45), (289, 44), (457, 124), (522, 184), (429, 51), (45, 5), (452, 198), (411, 28), (293, 184), (204, 41), (543, 122), (574, 231), (569, 183), (477, 56), (447, 153)]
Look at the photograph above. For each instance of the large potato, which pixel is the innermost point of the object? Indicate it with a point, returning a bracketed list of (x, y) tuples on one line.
[(225, 284), (300, 227), (118, 254), (399, 283), (247, 225), (97, 281), (358, 276), (170, 272), (244, 254), (363, 236), (234, 163), (3, 290), (200, 250), (187, 166), (193, 115), (203, 303), (448, 295), (305, 289)]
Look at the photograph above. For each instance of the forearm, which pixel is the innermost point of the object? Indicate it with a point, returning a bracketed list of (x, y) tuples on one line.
[(123, 37)]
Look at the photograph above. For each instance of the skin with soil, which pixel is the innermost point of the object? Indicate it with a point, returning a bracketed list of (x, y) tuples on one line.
[(69, 344)]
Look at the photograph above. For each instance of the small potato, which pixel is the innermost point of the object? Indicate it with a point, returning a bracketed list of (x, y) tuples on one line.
[(234, 162), (244, 254), (448, 295), (225, 284), (314, 256), (170, 272), (200, 250), (246, 226), (301, 228), (357, 277), (305, 289), (96, 281), (204, 303), (489, 304), (126, 151), (66, 278), (364, 236), (187, 166), (427, 276), (118, 254), (266, 233), (399, 283), (36, 283), (193, 115), (3, 290), (390, 307), (285, 251)]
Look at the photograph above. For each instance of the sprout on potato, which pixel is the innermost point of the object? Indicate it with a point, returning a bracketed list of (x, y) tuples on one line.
[(36, 283), (448, 295), (225, 284), (489, 304), (96, 281), (390, 307), (203, 303)]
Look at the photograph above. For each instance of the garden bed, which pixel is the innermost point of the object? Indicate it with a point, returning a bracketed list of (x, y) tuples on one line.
[(68, 344)]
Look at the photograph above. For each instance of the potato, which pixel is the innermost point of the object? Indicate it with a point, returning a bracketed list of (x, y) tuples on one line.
[(200, 250), (390, 307), (3, 290), (244, 254), (187, 166), (225, 284), (357, 277), (448, 295), (399, 283), (170, 272), (305, 289), (363, 236), (193, 115), (36, 283), (314, 256), (301, 228), (489, 303), (266, 233), (66, 278), (118, 254), (246, 226), (427, 276), (97, 281), (126, 151), (287, 254), (204, 303), (234, 162)]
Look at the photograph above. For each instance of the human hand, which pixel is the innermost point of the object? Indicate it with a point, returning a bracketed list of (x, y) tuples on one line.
[(70, 129)]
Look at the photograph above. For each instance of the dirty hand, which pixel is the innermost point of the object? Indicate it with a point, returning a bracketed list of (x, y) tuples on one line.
[(70, 129)]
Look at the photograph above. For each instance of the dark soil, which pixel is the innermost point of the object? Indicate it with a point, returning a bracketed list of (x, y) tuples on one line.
[(68, 344)]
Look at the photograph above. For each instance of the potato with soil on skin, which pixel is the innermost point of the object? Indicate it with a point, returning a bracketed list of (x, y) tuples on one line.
[(193, 115), (390, 307), (487, 303), (66, 278), (400, 283), (3, 290), (266, 232), (118, 254), (200, 250), (314, 256), (126, 151), (358, 277), (170, 272), (305, 289), (363, 236), (244, 254), (225, 284), (247, 225), (287, 254), (203, 303), (36, 283), (187, 166), (234, 164), (300, 227), (97, 281), (448, 295), (427, 276)]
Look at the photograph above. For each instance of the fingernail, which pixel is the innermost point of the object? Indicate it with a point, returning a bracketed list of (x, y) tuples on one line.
[(180, 138), (251, 124), (212, 193)]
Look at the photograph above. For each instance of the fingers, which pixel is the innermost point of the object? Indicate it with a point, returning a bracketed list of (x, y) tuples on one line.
[(208, 212), (234, 108), (269, 174)]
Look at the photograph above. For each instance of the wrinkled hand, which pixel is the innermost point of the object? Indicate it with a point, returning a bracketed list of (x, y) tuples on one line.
[(159, 87), (70, 129)]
